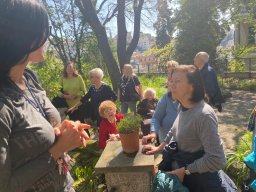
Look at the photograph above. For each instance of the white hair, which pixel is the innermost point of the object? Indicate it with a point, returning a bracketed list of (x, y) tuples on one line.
[(147, 91), (204, 55), (98, 72)]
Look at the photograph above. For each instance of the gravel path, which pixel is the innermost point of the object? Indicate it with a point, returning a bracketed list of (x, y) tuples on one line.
[(233, 119)]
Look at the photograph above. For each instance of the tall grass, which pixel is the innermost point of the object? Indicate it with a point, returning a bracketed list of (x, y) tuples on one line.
[(235, 166), (156, 82)]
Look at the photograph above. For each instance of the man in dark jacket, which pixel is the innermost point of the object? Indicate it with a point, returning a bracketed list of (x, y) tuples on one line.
[(210, 80)]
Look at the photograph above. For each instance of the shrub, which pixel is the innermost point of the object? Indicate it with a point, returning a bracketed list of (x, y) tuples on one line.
[(236, 66), (236, 84), (131, 123), (235, 166)]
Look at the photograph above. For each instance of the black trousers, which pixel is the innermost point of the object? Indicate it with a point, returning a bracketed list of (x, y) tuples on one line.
[(216, 181)]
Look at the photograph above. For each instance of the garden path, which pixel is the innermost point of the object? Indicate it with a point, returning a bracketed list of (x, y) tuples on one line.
[(233, 119)]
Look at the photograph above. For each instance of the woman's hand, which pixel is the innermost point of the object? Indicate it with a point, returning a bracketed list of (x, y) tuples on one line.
[(70, 136), (69, 97), (149, 137), (75, 107), (72, 97), (72, 109), (179, 172), (150, 149), (113, 137), (81, 126)]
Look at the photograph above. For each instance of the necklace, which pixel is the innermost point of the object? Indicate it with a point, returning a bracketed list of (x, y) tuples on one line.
[(35, 102), (123, 85)]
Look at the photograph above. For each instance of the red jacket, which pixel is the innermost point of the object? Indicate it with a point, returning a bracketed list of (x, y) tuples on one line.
[(107, 128)]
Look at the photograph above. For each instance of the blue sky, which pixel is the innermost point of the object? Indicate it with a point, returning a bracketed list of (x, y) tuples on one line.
[(145, 29), (147, 18)]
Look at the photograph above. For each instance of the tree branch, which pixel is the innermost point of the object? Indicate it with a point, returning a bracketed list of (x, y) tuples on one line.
[(108, 18), (100, 7), (89, 14), (136, 28)]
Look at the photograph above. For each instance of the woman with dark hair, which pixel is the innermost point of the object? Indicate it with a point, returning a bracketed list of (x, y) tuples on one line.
[(192, 149), (72, 84), (73, 89), (32, 140)]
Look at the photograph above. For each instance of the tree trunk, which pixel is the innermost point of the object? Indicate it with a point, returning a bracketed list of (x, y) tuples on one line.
[(87, 9), (124, 52), (121, 34)]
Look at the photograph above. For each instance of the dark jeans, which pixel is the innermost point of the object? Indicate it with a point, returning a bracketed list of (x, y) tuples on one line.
[(128, 104), (216, 181), (145, 129)]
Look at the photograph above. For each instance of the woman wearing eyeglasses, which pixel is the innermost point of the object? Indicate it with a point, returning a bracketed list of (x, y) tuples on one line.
[(108, 125), (98, 92), (33, 142), (192, 149)]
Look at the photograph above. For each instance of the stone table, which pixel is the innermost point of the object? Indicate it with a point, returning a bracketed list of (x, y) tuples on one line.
[(124, 173)]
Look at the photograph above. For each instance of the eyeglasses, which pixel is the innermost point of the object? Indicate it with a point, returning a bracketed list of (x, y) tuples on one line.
[(109, 110)]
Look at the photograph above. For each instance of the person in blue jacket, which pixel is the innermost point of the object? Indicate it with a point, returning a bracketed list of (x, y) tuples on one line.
[(210, 80), (163, 118)]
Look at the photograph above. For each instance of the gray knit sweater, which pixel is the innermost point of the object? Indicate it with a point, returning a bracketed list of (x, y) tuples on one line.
[(25, 138), (197, 129)]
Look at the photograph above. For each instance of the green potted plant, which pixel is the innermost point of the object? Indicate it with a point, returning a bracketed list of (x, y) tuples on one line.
[(128, 129)]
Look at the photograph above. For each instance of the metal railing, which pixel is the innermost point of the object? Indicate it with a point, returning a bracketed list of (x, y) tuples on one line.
[(249, 71)]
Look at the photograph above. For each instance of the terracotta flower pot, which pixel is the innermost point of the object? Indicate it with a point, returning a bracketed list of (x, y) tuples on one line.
[(130, 142)]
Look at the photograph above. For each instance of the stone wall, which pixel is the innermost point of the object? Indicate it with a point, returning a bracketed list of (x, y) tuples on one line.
[(129, 182)]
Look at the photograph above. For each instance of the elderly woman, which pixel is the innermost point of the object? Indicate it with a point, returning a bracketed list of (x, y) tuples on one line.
[(171, 65), (108, 125), (130, 89), (163, 117), (146, 109), (192, 150), (99, 91), (32, 154)]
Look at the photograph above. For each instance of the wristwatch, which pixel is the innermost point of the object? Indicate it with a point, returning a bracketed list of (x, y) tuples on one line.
[(187, 172)]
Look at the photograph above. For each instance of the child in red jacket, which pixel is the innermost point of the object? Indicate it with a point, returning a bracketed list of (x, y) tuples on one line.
[(108, 125)]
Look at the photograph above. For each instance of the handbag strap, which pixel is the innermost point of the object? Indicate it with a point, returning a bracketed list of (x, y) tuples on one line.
[(134, 84), (133, 81)]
